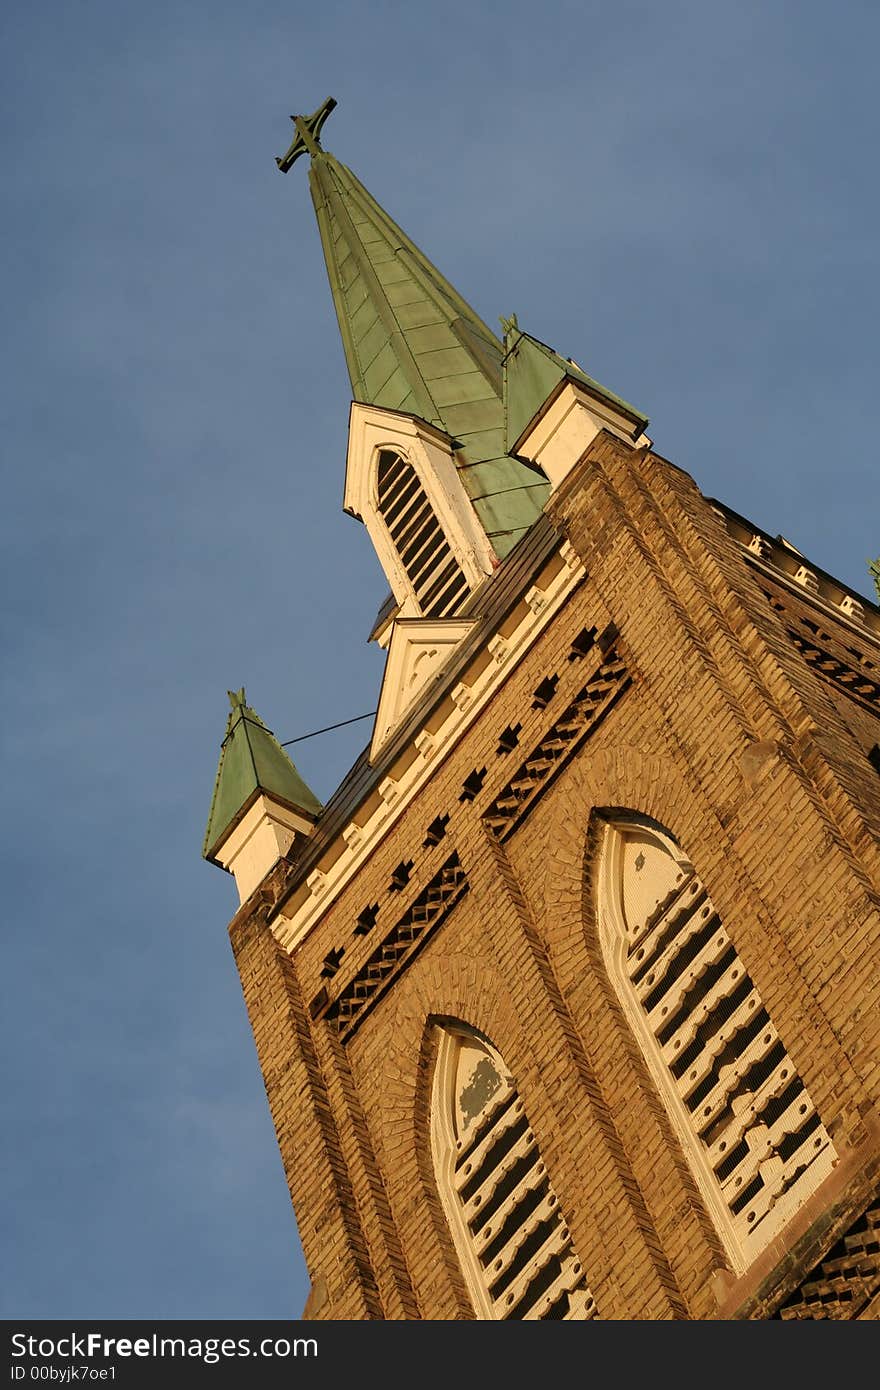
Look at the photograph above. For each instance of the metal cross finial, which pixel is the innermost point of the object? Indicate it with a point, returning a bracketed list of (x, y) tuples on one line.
[(308, 130)]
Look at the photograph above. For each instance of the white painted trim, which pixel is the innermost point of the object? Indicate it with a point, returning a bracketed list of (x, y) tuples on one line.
[(559, 437), (429, 452), (741, 1251), (474, 692), (262, 836), (859, 616), (612, 935), (443, 1149), (418, 651)]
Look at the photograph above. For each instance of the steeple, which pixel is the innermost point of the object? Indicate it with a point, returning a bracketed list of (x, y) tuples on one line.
[(412, 343), (254, 768)]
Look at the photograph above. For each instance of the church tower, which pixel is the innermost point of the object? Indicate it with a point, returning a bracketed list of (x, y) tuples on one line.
[(566, 1002)]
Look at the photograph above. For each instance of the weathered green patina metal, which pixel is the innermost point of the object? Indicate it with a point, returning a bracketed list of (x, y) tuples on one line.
[(412, 343), (251, 761), (532, 374), (874, 571)]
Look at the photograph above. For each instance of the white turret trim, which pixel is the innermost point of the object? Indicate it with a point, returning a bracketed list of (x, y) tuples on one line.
[(418, 652), (428, 451), (561, 434), (264, 833)]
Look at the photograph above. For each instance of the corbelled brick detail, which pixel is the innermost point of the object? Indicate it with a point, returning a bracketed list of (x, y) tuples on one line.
[(845, 1281), (308, 1135)]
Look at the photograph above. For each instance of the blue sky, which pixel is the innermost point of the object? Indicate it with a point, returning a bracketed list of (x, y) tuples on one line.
[(681, 196)]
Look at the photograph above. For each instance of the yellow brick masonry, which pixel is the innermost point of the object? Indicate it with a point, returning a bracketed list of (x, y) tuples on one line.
[(727, 738)]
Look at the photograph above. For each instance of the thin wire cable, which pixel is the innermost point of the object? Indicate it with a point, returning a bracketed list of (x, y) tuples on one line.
[(341, 725)]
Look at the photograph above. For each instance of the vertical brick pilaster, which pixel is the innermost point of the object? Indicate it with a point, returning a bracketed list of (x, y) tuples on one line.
[(333, 1240), (392, 1273), (659, 1290)]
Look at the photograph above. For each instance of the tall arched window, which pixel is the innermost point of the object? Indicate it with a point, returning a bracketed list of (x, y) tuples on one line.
[(436, 577), (511, 1237), (755, 1143)]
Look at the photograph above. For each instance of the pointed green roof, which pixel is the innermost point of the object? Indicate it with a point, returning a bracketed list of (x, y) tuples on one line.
[(251, 761), (532, 374), (412, 343)]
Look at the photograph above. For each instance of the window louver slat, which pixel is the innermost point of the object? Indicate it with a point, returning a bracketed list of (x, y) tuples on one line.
[(419, 532), (396, 477), (422, 557), (399, 503), (720, 1123), (505, 1117), (482, 1133), (566, 1299), (412, 518), (757, 1131), (402, 510), (505, 1258), (700, 945), (699, 1052), (704, 1087), (547, 1257), (455, 592), (447, 578), (502, 1202), (398, 487), (437, 579), (503, 1189)]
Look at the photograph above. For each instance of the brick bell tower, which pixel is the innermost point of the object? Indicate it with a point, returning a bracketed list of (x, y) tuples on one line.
[(566, 1002)]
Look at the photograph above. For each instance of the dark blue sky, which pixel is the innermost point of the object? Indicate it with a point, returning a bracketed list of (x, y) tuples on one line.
[(683, 197)]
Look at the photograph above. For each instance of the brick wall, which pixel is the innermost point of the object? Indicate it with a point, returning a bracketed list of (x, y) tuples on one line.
[(716, 726)]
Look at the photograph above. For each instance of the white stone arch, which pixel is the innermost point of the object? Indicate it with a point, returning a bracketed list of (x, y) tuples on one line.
[(428, 451), (754, 1142)]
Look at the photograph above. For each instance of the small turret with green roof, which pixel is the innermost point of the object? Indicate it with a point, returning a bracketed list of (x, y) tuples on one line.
[(252, 762), (533, 373)]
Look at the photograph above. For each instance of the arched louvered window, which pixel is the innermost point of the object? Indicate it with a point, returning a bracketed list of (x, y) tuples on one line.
[(436, 577), (512, 1239), (755, 1143)]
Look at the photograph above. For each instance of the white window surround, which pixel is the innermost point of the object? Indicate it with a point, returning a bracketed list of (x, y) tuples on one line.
[(429, 452), (445, 1145), (518, 1261), (437, 580), (618, 938)]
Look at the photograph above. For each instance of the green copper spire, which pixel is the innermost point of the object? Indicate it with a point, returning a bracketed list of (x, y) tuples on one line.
[(532, 373), (251, 761), (412, 343)]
